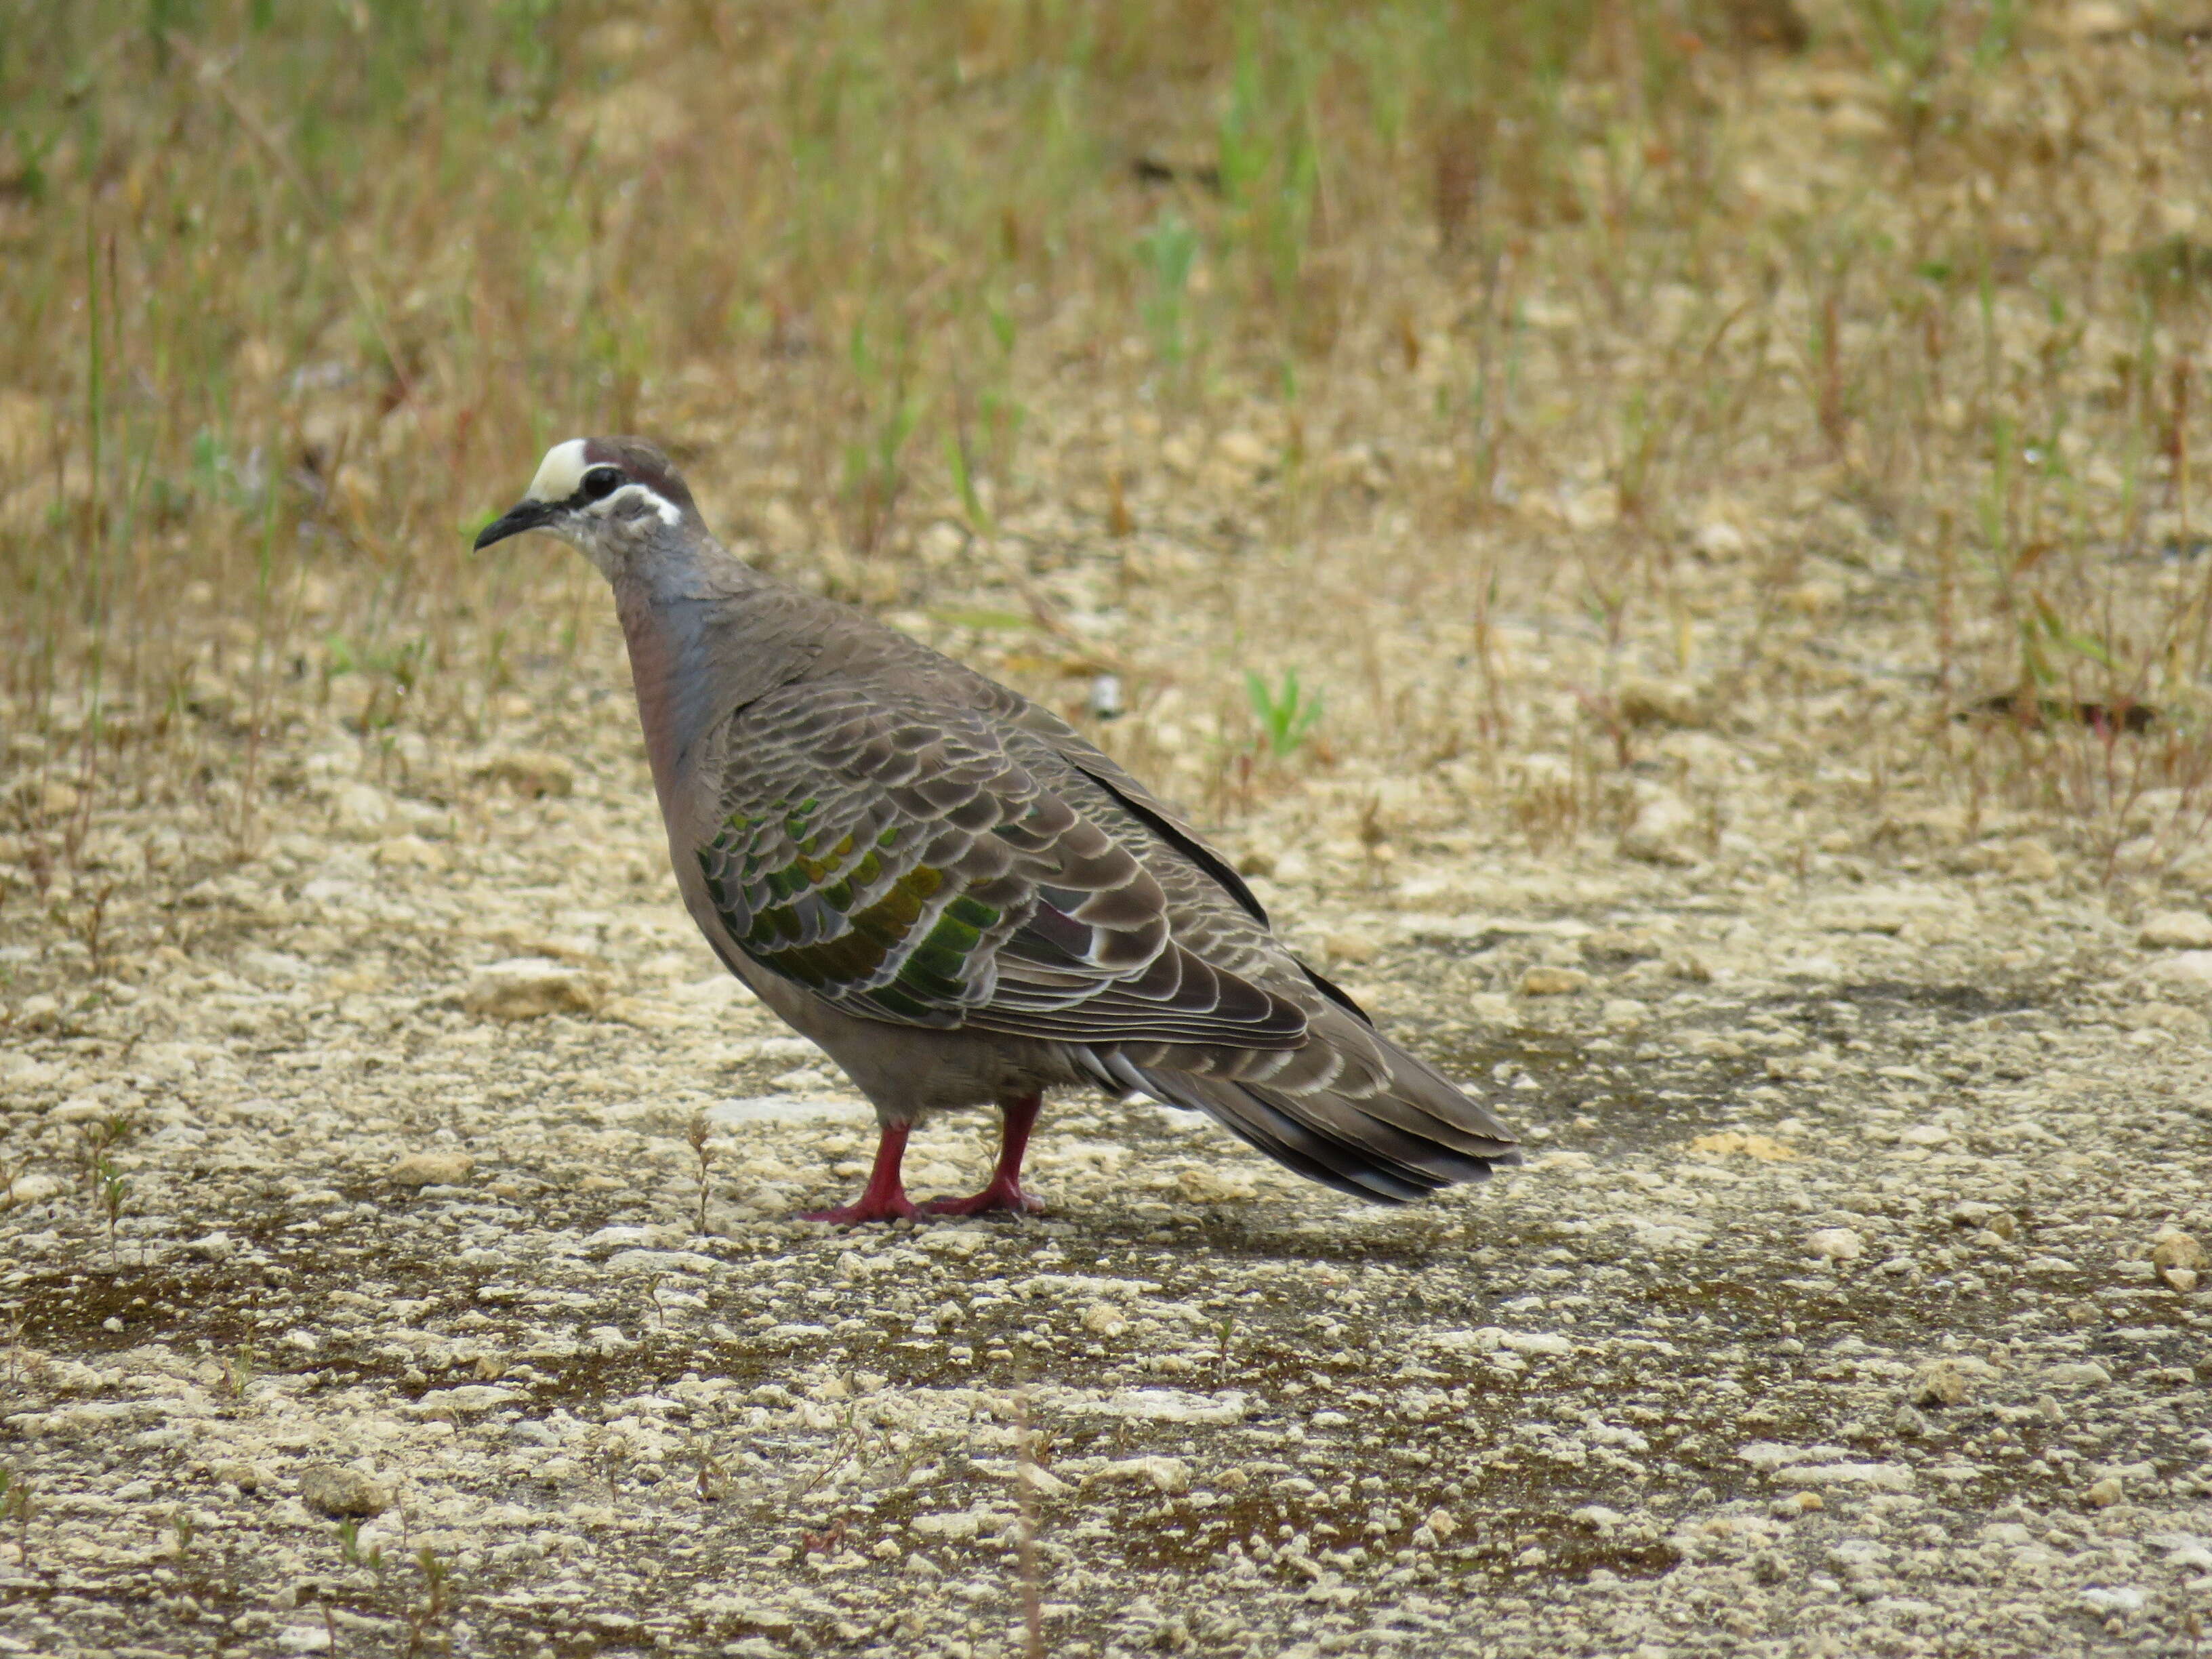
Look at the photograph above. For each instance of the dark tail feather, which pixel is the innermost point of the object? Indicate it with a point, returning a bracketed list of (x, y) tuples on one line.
[(1329, 1137)]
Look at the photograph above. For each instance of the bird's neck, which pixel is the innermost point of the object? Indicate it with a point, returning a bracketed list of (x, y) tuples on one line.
[(679, 619)]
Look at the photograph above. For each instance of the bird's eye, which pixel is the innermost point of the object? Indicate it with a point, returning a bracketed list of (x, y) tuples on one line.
[(602, 482)]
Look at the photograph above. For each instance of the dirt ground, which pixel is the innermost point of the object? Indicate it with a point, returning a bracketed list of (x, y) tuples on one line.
[(1846, 1304)]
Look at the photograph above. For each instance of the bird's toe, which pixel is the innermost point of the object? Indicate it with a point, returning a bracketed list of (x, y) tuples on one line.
[(901, 1208), (995, 1197)]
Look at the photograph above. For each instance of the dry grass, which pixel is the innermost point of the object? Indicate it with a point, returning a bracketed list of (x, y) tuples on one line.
[(1586, 399)]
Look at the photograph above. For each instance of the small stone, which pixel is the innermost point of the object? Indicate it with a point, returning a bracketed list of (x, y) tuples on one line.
[(431, 1169), (1442, 1523), (1664, 830), (41, 1013), (51, 798), (1835, 1243), (1545, 981), (2178, 1249), (246, 1477), (1625, 1013), (1213, 1186), (1939, 1383), (1660, 703), (1242, 449), (2176, 930), (1718, 538), (1164, 1474), (211, 1247), (2187, 972), (533, 772), (361, 809), (411, 852), (1495, 1008), (2182, 1278), (451, 1405), (2077, 1374), (529, 987), (1736, 1143), (334, 1490), (31, 1189), (1343, 947), (2105, 1492), (1909, 1422)]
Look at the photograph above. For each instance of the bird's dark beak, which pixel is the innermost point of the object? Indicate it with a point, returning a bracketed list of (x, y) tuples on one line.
[(529, 515)]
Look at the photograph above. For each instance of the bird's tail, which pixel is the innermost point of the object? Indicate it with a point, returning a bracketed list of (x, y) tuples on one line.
[(1350, 1110)]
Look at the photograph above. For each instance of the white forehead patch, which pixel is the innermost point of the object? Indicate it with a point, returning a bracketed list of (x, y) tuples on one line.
[(559, 473)]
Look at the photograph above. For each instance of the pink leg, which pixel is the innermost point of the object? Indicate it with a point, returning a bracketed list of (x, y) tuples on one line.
[(885, 1198), (1004, 1192)]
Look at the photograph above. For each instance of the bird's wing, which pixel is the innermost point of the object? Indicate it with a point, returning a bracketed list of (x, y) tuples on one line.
[(1194, 870), (904, 866)]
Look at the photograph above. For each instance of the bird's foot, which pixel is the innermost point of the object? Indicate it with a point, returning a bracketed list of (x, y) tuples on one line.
[(869, 1206), (1000, 1195)]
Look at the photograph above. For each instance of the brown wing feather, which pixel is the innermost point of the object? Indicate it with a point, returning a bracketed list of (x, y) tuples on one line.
[(906, 868)]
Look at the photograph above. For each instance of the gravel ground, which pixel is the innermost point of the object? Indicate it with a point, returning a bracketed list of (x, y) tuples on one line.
[(1848, 1302)]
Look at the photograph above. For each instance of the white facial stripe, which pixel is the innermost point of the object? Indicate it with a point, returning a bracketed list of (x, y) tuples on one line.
[(559, 473), (670, 513)]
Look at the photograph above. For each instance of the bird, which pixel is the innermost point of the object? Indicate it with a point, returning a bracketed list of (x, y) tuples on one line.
[(952, 891)]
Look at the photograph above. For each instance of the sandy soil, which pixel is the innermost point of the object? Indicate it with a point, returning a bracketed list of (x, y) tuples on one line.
[(1846, 1305)]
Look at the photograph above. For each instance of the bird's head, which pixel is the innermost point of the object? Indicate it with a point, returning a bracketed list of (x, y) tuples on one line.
[(605, 497)]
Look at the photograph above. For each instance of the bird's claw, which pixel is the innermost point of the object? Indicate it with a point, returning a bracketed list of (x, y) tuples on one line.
[(900, 1208), (998, 1195)]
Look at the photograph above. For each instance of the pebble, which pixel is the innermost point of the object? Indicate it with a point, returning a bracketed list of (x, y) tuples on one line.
[(1346, 946), (2076, 1373), (1735, 1142), (2175, 1249), (1164, 1474), (363, 810), (1545, 981), (1835, 1243), (2177, 930), (32, 1190), (2105, 1492), (1946, 1381), (534, 772), (431, 1169), (334, 1490), (2187, 971), (470, 1399), (529, 987), (1662, 703), (1664, 830)]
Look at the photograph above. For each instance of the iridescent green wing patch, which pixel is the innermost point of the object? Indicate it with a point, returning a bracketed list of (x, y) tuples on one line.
[(859, 914)]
